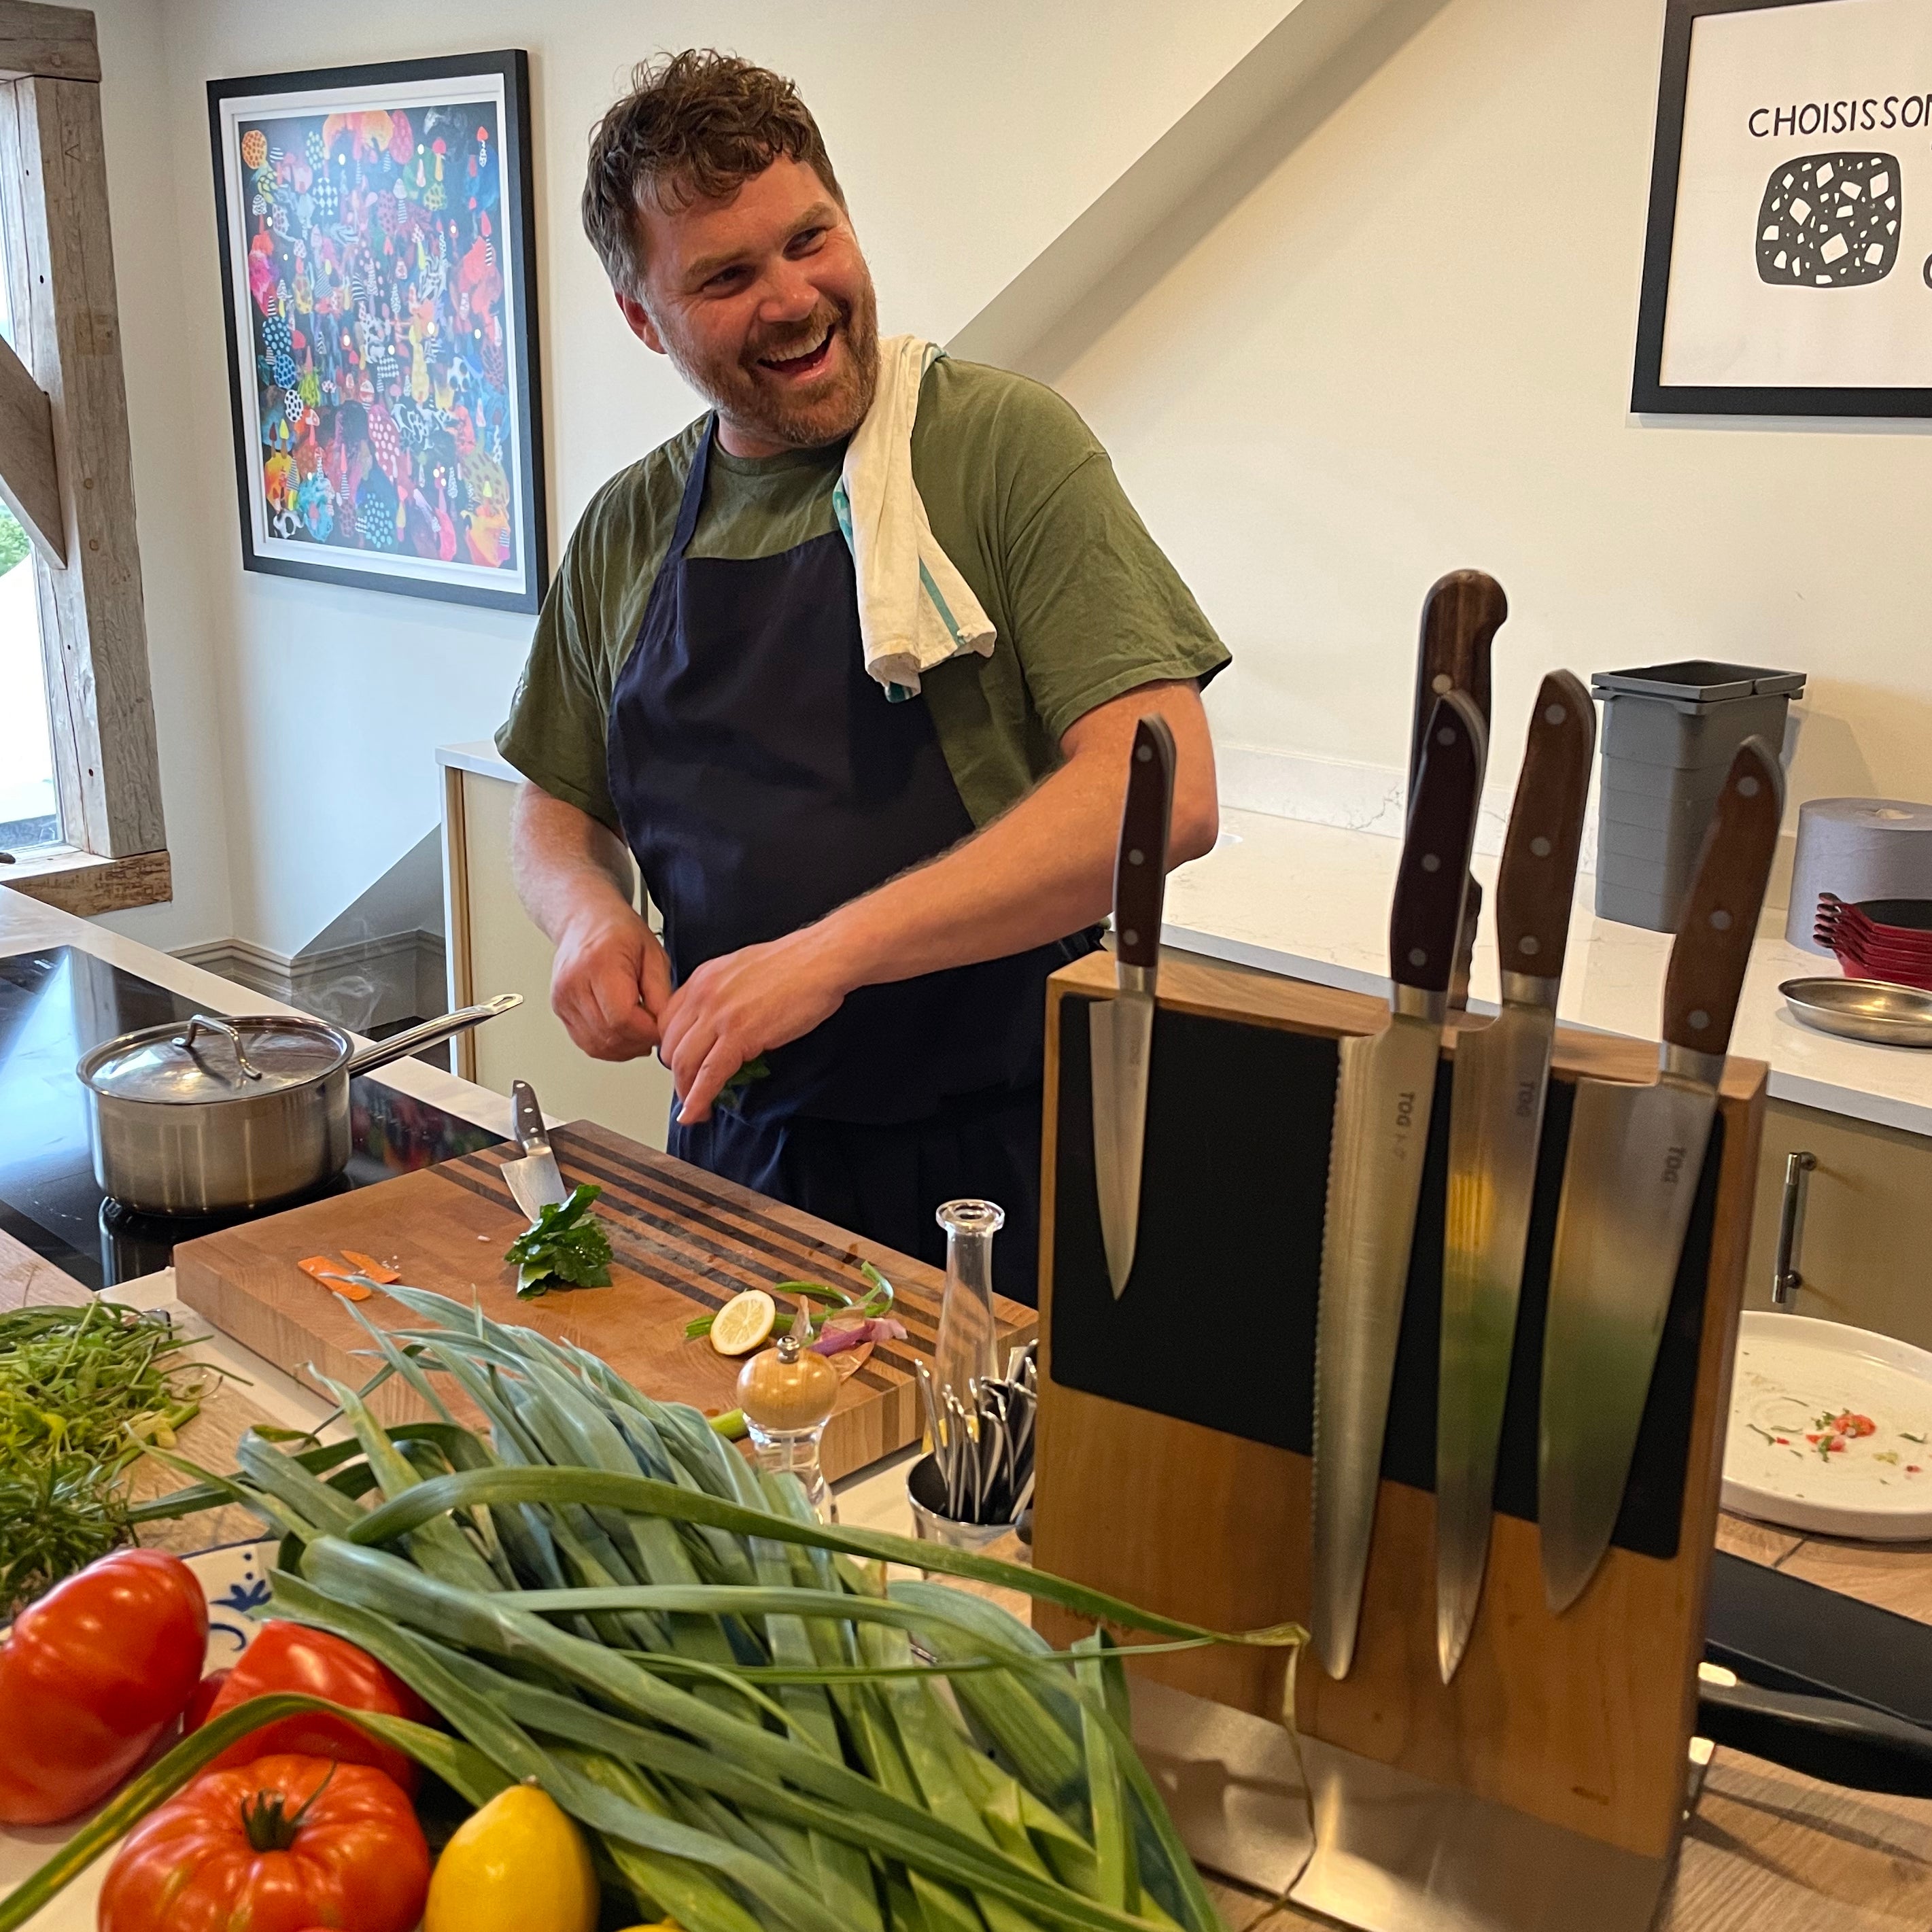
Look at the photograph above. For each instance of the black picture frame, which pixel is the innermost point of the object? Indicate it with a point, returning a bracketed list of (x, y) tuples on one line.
[(1650, 395), (430, 439)]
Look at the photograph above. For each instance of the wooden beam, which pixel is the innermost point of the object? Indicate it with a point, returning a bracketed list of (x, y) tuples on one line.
[(84, 885), (29, 474), (57, 43), (100, 699)]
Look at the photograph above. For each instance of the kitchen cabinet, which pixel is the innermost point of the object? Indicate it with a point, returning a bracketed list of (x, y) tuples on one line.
[(1864, 1247), (493, 947)]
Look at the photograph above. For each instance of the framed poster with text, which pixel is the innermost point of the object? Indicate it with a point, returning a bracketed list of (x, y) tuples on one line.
[(378, 288), (1788, 267)]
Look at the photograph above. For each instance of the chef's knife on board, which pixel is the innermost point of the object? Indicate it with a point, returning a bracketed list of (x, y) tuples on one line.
[(1460, 618), (1120, 1031), (1384, 1096), (1631, 1176), (1495, 1127), (534, 1182)]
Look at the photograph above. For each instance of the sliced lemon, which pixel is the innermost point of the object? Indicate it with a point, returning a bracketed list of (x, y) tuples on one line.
[(742, 1323)]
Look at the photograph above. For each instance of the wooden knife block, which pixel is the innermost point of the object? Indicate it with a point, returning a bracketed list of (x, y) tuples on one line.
[(1158, 1481)]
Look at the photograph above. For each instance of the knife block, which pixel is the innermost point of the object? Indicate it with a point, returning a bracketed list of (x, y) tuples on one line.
[(1174, 1423)]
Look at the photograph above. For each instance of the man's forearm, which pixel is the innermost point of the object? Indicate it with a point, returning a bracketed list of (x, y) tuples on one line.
[(1043, 870), (564, 863)]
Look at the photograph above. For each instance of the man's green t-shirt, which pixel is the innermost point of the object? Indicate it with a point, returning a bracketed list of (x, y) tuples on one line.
[(1020, 496)]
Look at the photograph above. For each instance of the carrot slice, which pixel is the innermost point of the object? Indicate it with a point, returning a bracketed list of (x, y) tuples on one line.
[(325, 1270), (369, 1265)]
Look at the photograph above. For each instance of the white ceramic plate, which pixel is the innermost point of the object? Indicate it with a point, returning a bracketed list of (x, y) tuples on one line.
[(235, 1579), (1791, 1372)]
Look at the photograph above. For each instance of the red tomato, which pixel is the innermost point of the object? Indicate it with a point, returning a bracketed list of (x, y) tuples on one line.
[(285, 1657), (199, 1705), (90, 1676), (282, 1844)]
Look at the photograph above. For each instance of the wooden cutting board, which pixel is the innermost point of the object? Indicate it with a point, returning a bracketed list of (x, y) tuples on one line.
[(685, 1242)]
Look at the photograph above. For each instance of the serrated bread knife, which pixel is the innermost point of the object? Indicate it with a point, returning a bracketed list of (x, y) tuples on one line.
[(1120, 1031), (1495, 1128), (1629, 1178), (1460, 618), (1384, 1096)]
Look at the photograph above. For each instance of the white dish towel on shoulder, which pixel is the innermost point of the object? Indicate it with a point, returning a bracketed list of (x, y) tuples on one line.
[(915, 609)]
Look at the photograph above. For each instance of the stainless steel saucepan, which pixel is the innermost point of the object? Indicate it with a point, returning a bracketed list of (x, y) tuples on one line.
[(223, 1115)]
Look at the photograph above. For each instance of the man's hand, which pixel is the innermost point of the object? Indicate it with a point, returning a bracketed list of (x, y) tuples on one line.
[(733, 1009), (610, 983)]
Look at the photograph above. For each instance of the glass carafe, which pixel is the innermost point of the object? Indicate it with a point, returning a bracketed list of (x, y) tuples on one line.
[(968, 1348)]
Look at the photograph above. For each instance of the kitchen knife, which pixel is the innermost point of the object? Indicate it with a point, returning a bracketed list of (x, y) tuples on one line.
[(1823, 1738), (1383, 1100), (1120, 1031), (1495, 1127), (1460, 618), (1631, 1176), (534, 1182)]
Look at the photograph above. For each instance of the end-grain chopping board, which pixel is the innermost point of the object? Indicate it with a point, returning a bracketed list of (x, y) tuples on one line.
[(685, 1242)]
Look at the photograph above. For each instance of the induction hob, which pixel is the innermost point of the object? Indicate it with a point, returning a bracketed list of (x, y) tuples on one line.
[(56, 1002)]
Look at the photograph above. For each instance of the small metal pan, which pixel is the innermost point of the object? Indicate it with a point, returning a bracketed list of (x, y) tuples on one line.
[(1866, 1009)]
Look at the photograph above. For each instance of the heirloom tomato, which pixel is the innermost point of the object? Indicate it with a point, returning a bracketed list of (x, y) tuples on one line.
[(279, 1845), (90, 1676), (285, 1657)]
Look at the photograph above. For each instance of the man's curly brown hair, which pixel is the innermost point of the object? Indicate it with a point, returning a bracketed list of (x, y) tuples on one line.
[(695, 125)]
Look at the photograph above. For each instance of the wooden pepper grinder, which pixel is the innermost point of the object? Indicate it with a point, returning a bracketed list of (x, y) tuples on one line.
[(787, 1392)]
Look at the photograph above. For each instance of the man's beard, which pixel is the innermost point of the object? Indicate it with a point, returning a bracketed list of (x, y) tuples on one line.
[(808, 423)]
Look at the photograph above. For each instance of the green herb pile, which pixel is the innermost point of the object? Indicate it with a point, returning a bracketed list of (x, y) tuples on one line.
[(566, 1247), (83, 1392), (756, 1727)]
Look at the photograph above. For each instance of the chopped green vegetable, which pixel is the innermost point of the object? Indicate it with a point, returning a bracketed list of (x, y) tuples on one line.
[(83, 1392), (731, 1095), (877, 1302), (566, 1248)]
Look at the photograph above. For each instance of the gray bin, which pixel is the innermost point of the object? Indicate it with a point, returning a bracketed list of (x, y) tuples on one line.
[(1670, 732)]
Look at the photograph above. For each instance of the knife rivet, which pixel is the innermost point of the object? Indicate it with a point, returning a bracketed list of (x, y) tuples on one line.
[(1747, 788), (1446, 735), (1136, 857), (1416, 957), (1144, 752), (1430, 863), (1699, 1020), (1555, 715), (1540, 847), (1130, 939), (1441, 682), (1720, 920), (1529, 942)]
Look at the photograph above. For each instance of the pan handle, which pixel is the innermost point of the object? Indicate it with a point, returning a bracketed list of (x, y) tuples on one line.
[(429, 1033)]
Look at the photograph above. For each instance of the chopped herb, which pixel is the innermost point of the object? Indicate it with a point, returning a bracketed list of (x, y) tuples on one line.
[(731, 1095), (566, 1247), (1765, 1432), (83, 1393), (1910, 1437)]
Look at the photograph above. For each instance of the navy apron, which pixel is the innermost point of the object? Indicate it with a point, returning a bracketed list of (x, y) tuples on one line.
[(762, 779)]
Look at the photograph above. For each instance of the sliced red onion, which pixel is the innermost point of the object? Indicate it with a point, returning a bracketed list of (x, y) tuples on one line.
[(879, 1328)]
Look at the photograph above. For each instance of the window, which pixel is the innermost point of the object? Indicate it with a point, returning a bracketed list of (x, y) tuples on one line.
[(29, 810), (78, 759)]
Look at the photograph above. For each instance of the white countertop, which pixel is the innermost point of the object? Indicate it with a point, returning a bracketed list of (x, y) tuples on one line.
[(1312, 901)]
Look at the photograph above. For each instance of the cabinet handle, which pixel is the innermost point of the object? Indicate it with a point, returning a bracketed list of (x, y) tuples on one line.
[(1786, 1280)]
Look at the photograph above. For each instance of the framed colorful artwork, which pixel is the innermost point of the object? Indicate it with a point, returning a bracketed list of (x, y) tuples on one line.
[(376, 251), (1788, 269)]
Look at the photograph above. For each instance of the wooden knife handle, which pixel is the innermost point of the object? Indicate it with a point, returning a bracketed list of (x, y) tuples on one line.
[(1546, 828), (1140, 866), (1460, 618), (1427, 920), (1713, 938)]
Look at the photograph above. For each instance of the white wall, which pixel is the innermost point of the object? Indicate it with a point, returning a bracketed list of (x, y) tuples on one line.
[(1409, 348), (298, 721)]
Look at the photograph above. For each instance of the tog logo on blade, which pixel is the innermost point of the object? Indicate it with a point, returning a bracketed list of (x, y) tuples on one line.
[(1673, 1166)]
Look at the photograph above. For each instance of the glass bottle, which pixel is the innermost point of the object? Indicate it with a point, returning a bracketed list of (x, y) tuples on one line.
[(787, 1392), (968, 1341)]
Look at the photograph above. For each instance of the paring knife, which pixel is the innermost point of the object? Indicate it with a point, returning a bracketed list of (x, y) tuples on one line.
[(1120, 1031), (1383, 1100), (534, 1182), (1460, 618), (1495, 1127), (1629, 1178)]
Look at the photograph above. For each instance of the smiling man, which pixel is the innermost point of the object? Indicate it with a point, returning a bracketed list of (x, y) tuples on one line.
[(864, 887)]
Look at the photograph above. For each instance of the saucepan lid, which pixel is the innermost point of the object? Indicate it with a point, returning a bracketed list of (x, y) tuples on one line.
[(214, 1060)]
